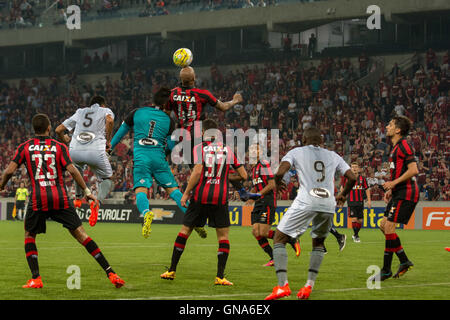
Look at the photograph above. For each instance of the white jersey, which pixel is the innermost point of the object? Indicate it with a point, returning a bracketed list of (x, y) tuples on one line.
[(89, 124), (316, 168)]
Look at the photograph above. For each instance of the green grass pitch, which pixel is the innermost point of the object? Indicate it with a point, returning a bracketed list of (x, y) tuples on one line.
[(140, 261)]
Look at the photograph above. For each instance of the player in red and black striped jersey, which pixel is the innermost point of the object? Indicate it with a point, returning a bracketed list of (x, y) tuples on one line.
[(46, 161), (209, 200), (263, 214), (355, 200), (188, 103), (402, 194)]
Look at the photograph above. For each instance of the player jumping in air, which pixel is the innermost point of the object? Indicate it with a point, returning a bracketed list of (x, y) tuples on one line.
[(316, 168), (402, 195), (188, 103), (152, 126), (209, 200), (46, 161), (263, 213), (90, 141)]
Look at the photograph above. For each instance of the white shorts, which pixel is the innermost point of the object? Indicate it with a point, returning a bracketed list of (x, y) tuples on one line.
[(96, 160), (297, 218)]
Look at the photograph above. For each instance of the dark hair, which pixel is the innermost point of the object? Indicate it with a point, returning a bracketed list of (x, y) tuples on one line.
[(161, 97), (40, 123), (209, 124), (97, 99), (403, 123), (312, 135)]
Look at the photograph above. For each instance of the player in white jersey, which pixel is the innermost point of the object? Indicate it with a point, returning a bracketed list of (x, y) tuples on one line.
[(90, 141), (315, 202)]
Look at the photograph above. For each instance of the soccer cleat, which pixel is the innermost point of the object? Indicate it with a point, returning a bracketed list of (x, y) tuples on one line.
[(222, 282), (201, 232), (403, 268), (168, 275), (295, 244), (304, 292), (448, 249), (271, 263), (34, 283), (115, 280), (342, 241), (95, 206), (383, 275), (77, 203), (147, 227), (279, 292)]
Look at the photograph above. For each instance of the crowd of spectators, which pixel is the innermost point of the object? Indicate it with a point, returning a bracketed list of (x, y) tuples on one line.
[(286, 95)]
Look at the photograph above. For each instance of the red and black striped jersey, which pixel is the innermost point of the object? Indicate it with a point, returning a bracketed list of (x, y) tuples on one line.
[(403, 154), (216, 158), (188, 104), (356, 195), (46, 160), (261, 174)]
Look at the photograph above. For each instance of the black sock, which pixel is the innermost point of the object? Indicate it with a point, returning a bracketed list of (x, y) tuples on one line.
[(32, 256), (264, 244), (222, 257), (392, 245), (387, 261), (335, 233), (178, 248), (94, 250), (400, 252)]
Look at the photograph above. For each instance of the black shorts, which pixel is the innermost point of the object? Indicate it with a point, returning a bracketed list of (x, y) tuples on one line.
[(35, 220), (400, 211), (263, 212), (356, 211), (20, 204), (197, 213)]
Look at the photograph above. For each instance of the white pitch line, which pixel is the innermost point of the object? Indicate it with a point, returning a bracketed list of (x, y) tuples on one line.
[(190, 297)]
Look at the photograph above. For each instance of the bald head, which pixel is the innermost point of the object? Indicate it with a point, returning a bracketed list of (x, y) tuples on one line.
[(187, 76)]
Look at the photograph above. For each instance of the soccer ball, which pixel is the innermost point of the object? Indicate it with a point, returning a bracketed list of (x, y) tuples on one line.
[(182, 57)]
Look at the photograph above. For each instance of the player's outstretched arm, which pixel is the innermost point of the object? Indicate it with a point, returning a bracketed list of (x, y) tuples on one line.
[(224, 106), (60, 132), (123, 130), (8, 173)]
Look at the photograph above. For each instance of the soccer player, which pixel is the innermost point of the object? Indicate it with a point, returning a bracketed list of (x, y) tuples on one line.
[(263, 213), (355, 200), (402, 195), (188, 102), (152, 126), (90, 141), (46, 161), (316, 168), (209, 200), (21, 197)]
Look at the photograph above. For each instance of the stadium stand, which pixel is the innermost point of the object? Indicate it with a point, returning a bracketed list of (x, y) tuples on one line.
[(288, 95)]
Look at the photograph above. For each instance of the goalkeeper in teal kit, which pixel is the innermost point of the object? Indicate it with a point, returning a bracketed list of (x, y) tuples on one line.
[(152, 126)]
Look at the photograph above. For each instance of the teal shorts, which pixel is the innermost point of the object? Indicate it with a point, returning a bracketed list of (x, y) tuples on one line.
[(149, 165)]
